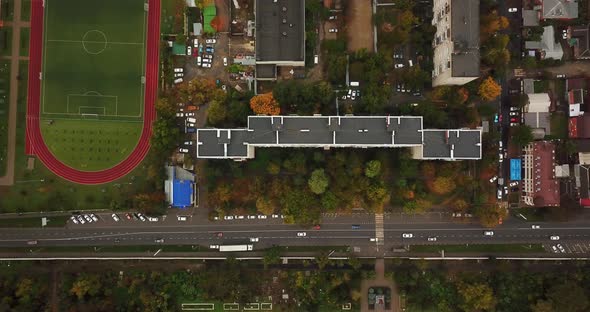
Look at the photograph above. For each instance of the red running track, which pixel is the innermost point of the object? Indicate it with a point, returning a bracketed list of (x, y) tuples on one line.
[(34, 140)]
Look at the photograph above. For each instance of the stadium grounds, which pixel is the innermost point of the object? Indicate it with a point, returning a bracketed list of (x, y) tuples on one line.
[(92, 80)]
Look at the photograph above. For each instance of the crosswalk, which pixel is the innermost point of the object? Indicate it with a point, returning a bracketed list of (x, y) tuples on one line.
[(379, 229)]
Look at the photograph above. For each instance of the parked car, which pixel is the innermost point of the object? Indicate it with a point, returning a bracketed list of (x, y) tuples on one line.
[(274, 216), (514, 119), (115, 217), (493, 179), (261, 217), (333, 30), (189, 50), (181, 218), (399, 65), (213, 246), (225, 61), (180, 115), (159, 241), (141, 217), (560, 76), (74, 220), (333, 17), (514, 109), (178, 69), (190, 114), (228, 218), (128, 216), (206, 65), (88, 218), (432, 239), (513, 183), (554, 238), (514, 114), (153, 219), (183, 150), (190, 124), (188, 142), (254, 239), (560, 247), (81, 219), (251, 217), (210, 41), (512, 10)]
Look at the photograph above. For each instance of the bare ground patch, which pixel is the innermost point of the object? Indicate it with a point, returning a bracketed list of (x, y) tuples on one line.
[(359, 25)]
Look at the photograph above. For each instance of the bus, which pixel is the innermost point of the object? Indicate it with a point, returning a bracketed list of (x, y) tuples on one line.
[(235, 248)]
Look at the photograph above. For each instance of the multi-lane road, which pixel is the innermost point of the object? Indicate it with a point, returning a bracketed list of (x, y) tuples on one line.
[(334, 231)]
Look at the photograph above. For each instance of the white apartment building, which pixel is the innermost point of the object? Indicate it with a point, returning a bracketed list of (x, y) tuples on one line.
[(456, 42)]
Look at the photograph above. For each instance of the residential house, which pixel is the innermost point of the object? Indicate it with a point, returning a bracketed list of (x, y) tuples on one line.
[(557, 9), (547, 47), (536, 114), (579, 41)]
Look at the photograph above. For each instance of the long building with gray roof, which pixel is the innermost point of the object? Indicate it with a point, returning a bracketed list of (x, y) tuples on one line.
[(339, 131)]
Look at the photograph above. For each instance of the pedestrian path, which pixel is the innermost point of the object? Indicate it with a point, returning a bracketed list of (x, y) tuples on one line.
[(379, 229)]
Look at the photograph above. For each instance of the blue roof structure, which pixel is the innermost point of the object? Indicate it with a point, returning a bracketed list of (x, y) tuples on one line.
[(515, 169), (181, 193)]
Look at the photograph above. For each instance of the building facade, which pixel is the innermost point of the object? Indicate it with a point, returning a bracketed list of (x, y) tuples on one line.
[(540, 187)]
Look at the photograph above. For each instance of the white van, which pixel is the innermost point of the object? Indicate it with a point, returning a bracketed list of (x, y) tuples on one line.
[(193, 120), (411, 63), (316, 59), (179, 80)]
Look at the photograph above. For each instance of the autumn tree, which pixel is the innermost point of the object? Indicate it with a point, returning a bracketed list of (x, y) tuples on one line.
[(521, 135), (264, 205), (489, 89), (491, 24), (216, 113), (265, 104), (490, 216), (460, 205), (443, 185), (318, 182), (85, 285), (373, 169), (476, 297), (569, 297)]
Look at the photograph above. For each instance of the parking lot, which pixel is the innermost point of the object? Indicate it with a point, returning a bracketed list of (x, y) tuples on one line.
[(209, 54), (568, 248)]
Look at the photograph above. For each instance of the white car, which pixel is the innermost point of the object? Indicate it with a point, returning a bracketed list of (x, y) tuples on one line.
[(275, 216), (225, 61), (94, 217), (189, 50), (210, 41), (261, 217), (301, 234), (373, 239), (206, 65), (153, 219), (564, 34), (560, 248), (223, 87), (432, 239), (190, 114), (254, 239), (493, 179), (159, 241), (141, 217), (512, 10), (499, 195), (74, 220), (554, 248), (513, 183), (514, 124), (251, 217), (214, 246), (178, 75), (514, 109), (190, 124), (514, 114), (239, 217), (535, 227), (407, 235), (195, 43), (399, 66), (180, 115), (206, 61), (183, 150), (333, 17), (181, 218), (560, 76), (228, 218), (488, 233), (208, 56), (115, 217), (188, 143), (554, 238), (81, 219), (178, 69), (88, 218), (333, 30)]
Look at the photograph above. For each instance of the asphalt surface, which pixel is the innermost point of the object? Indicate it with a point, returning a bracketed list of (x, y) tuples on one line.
[(336, 230)]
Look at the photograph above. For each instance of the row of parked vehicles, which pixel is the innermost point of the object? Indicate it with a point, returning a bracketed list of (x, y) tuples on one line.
[(250, 217)]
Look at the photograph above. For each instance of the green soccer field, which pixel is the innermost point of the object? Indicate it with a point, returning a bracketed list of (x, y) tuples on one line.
[(93, 64)]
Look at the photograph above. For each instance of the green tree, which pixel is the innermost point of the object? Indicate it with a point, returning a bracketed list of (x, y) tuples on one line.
[(216, 113), (318, 182), (542, 306), (476, 297), (165, 136), (329, 201), (568, 297), (522, 135), (443, 185), (373, 169), (272, 255), (264, 206), (84, 285)]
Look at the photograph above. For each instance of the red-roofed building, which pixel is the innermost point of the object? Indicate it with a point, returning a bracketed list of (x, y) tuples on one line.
[(540, 186), (579, 123)]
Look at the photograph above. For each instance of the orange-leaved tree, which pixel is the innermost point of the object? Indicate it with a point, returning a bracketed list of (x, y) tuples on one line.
[(265, 104), (489, 89)]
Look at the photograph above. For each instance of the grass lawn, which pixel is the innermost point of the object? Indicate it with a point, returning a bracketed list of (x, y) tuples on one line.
[(24, 41), (92, 93), (559, 125), (91, 145), (25, 13), (496, 248), (541, 86), (57, 221), (4, 105), (7, 10), (313, 248), (6, 41), (105, 249), (531, 214), (171, 22)]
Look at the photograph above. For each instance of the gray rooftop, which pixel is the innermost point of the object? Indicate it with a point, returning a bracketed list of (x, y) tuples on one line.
[(560, 9), (465, 37), (337, 131), (452, 144), (280, 30)]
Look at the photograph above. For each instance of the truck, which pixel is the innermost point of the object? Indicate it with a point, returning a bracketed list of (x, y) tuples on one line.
[(223, 248)]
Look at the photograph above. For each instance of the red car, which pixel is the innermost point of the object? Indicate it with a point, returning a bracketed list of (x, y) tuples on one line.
[(317, 227), (128, 216), (513, 119)]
